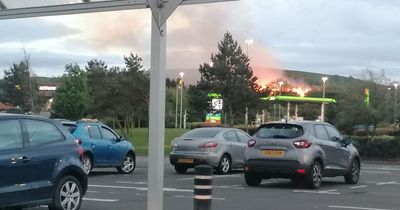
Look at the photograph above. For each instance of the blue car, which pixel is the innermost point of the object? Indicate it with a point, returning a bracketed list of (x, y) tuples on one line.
[(40, 164), (102, 146)]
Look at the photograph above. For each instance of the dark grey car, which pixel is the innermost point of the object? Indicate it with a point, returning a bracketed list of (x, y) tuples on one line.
[(301, 151), (222, 148)]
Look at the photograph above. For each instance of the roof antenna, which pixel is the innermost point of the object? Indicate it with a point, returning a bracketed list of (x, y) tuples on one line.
[(286, 120)]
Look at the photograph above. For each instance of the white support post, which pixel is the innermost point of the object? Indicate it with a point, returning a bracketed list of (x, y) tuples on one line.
[(288, 111), (157, 117)]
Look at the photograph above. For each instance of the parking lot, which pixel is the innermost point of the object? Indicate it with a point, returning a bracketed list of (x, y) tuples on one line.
[(378, 189)]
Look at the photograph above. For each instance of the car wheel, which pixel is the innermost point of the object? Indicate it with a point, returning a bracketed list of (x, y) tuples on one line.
[(252, 180), (353, 175), (87, 163), (225, 165), (128, 165), (314, 177), (68, 195), (180, 169)]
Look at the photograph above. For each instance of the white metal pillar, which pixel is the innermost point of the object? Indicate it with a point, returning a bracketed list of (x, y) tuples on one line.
[(288, 111), (156, 117), (296, 111)]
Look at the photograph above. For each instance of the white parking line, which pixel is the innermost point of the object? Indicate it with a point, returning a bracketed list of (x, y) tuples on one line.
[(140, 188), (191, 197), (377, 172), (123, 182), (353, 207), (357, 187), (387, 183), (214, 177), (100, 200), (229, 187), (91, 191), (389, 169), (328, 192)]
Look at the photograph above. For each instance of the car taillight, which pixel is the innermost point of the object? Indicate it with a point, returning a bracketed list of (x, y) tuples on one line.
[(302, 144), (78, 141), (208, 145), (251, 143)]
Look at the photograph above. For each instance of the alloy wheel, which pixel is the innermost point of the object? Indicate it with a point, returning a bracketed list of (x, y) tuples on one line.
[(128, 165), (70, 196), (87, 164)]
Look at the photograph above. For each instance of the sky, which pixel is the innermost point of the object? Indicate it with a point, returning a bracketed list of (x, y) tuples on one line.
[(338, 37)]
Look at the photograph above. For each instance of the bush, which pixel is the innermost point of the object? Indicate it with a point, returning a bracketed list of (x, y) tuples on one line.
[(378, 147)]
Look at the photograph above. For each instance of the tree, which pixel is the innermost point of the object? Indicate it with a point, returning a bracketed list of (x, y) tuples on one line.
[(71, 98), (20, 89), (232, 77)]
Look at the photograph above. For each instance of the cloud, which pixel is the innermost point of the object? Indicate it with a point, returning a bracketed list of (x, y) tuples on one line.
[(333, 37), (25, 30)]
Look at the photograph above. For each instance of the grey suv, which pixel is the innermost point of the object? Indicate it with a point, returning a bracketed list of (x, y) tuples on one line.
[(300, 151)]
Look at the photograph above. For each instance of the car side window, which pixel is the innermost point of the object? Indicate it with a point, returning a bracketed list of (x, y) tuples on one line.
[(107, 134), (94, 132), (10, 135), (231, 136), (244, 138), (320, 132), (42, 132), (333, 133)]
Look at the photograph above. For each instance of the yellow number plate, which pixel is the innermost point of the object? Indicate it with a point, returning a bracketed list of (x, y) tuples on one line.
[(185, 160), (273, 153)]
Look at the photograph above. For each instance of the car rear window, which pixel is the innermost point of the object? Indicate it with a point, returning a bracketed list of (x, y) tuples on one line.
[(70, 127), (279, 131), (201, 133)]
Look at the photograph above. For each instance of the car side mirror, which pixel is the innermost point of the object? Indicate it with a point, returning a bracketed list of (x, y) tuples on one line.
[(345, 141), (335, 139)]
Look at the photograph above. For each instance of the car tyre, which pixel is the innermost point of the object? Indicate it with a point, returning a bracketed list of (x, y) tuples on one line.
[(353, 175), (314, 177), (225, 165), (68, 194), (252, 180), (128, 165), (180, 169), (87, 163)]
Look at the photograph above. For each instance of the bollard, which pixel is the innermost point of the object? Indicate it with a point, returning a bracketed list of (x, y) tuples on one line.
[(203, 187)]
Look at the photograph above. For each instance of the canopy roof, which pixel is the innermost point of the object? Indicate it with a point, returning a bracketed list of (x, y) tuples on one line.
[(299, 99), (10, 9)]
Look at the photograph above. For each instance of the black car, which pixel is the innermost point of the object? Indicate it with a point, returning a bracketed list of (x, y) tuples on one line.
[(40, 164)]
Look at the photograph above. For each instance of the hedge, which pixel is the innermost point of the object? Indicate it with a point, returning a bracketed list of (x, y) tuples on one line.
[(378, 147)]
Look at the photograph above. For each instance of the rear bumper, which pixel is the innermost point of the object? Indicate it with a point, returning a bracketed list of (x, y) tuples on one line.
[(274, 168), (198, 159)]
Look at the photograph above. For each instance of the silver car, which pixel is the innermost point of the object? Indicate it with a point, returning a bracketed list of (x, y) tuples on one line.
[(222, 148), (301, 151)]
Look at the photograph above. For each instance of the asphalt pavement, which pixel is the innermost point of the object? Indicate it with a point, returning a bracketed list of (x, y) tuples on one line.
[(378, 189)]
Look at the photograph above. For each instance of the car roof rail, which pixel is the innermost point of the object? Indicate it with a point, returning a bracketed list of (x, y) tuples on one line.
[(88, 120)]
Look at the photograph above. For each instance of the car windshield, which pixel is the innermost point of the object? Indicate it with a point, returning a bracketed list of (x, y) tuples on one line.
[(201, 133), (70, 127), (279, 131)]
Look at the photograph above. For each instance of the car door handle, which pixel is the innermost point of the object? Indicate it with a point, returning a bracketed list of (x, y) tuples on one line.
[(24, 159)]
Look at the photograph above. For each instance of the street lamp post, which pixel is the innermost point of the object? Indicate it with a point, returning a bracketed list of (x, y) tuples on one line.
[(248, 42), (176, 105), (280, 93), (181, 85), (395, 101), (324, 79)]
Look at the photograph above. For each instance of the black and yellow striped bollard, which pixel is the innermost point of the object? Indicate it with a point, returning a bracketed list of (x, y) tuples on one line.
[(203, 187)]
